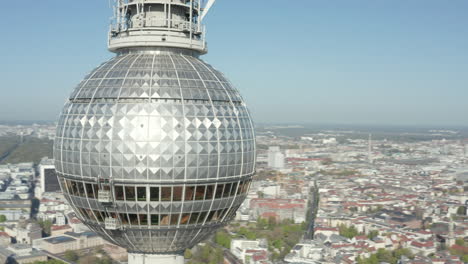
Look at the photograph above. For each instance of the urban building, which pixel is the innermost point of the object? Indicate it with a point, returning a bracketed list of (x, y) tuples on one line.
[(21, 254), (250, 251), (275, 158), (69, 241), (27, 232), (47, 176), (5, 239), (279, 209)]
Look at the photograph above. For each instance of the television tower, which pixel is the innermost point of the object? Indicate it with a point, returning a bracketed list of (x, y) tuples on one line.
[(369, 150), (155, 149)]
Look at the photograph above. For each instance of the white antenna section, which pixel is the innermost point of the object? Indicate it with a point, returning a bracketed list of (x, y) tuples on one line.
[(207, 9)]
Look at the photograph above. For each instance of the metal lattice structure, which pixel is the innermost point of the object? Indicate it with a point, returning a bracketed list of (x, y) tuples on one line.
[(155, 149)]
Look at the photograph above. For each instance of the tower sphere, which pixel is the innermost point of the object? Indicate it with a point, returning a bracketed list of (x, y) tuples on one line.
[(155, 148)]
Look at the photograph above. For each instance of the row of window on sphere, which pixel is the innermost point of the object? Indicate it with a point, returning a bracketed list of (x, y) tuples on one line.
[(176, 219), (135, 193)]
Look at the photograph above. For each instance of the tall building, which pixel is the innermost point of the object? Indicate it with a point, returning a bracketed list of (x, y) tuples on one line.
[(370, 158), (155, 148), (47, 176), (275, 158)]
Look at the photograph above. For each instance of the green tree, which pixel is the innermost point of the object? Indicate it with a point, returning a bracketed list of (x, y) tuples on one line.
[(461, 210), (373, 259), (247, 233), (398, 253), (464, 259), (2, 218), (46, 226), (278, 243), (385, 256), (271, 223), (460, 242), (348, 232), (188, 254), (206, 253), (372, 234), (104, 260), (52, 261), (223, 239), (71, 255), (262, 223)]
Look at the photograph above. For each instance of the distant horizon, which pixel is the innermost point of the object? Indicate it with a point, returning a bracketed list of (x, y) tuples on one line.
[(305, 124), (399, 63)]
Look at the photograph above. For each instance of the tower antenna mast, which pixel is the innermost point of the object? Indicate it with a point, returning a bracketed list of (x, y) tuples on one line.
[(207, 9)]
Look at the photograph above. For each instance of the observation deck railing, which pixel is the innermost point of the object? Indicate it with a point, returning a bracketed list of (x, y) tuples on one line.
[(157, 23)]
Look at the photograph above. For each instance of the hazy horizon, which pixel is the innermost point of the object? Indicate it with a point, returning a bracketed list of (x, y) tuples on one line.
[(374, 63)]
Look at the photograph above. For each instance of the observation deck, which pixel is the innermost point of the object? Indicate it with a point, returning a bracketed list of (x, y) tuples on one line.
[(157, 23)]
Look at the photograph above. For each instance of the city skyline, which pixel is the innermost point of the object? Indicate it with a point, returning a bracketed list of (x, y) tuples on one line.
[(393, 63)]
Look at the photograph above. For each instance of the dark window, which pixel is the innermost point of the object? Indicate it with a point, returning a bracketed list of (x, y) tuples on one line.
[(98, 215), (105, 214), (166, 194), (81, 190), (227, 190), (74, 188), (155, 220), (119, 193), (65, 185), (124, 219), (89, 191), (165, 220), (184, 219), (143, 219), (244, 186), (194, 218), (247, 186), (219, 191), (178, 193), (83, 213), (68, 187), (241, 187), (189, 193), (232, 212), (209, 192), (154, 194), (202, 217), (212, 216), (234, 188), (222, 213), (200, 192), (133, 219), (174, 219), (219, 215), (130, 193), (141, 194)]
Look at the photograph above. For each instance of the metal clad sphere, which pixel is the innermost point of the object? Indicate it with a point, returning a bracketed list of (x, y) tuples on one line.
[(155, 150)]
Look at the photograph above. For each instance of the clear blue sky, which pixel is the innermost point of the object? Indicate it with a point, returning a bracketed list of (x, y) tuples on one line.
[(331, 61)]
